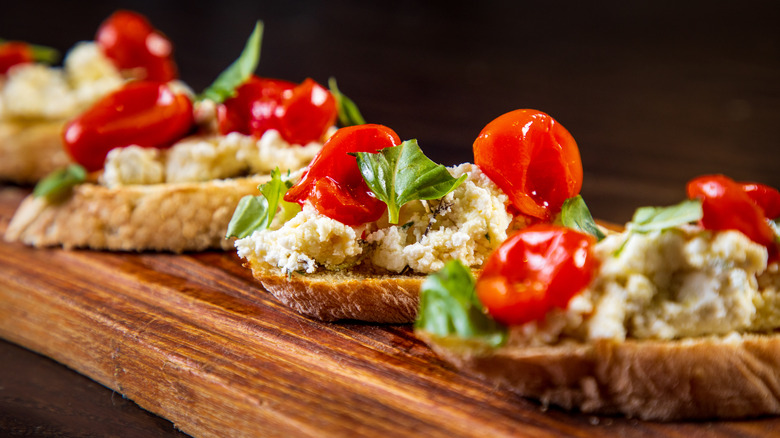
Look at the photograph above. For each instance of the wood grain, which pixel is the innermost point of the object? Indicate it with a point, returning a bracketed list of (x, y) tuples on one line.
[(193, 339)]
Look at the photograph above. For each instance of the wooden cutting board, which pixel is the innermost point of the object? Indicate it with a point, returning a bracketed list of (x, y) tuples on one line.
[(194, 339)]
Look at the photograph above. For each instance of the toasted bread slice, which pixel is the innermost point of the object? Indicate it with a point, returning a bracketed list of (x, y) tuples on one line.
[(173, 217), (735, 376), (348, 294), (31, 150)]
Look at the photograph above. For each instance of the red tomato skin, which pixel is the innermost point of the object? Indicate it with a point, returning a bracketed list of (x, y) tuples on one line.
[(306, 113), (142, 113), (131, 42), (14, 53), (537, 269), (533, 159), (744, 207), (332, 182), (252, 110)]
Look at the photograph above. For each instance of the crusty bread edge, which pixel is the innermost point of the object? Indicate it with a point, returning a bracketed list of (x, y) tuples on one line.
[(736, 376), (174, 217), (344, 295), (31, 150)]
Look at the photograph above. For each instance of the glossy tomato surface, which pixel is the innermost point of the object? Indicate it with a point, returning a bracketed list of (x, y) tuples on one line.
[(252, 110), (333, 184), (14, 53), (745, 207), (533, 159), (147, 114), (128, 39), (537, 269)]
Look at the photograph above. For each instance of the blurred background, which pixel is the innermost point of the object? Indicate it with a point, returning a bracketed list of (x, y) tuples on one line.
[(654, 92)]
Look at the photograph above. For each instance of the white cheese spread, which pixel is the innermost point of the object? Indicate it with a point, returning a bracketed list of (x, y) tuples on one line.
[(467, 224)]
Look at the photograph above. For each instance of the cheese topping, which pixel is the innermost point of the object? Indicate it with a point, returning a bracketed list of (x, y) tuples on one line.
[(468, 224), (205, 158), (36, 91), (684, 282)]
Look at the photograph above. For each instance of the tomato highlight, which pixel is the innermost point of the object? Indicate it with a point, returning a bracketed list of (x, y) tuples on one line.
[(131, 42), (333, 183), (143, 113), (744, 207), (14, 53), (537, 269), (533, 159), (301, 113)]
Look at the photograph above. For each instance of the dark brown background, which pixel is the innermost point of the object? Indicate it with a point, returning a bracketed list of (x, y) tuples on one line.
[(655, 94)]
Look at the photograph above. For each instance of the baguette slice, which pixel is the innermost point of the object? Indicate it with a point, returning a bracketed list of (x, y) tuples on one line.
[(31, 150), (735, 376), (174, 217), (348, 294)]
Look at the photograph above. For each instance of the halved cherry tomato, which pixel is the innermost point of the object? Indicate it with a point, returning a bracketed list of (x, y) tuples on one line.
[(745, 207), (13, 53), (537, 269), (252, 111), (333, 183), (142, 113), (533, 159), (301, 113), (129, 40)]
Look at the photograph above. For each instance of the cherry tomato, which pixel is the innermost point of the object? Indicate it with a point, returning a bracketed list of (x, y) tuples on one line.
[(533, 159), (301, 113), (252, 111), (537, 269), (745, 207), (333, 183), (142, 113), (129, 40), (13, 53)]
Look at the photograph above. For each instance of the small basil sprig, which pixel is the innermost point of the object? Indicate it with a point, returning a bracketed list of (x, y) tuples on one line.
[(449, 306), (402, 173), (647, 219), (44, 54), (576, 215), (57, 185), (239, 71), (349, 114), (255, 213)]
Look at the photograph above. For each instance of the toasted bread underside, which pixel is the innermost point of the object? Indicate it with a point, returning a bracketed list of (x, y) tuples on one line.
[(701, 378), (349, 294), (159, 217), (31, 150)]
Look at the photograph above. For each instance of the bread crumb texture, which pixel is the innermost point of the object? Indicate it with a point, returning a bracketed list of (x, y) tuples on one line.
[(467, 224)]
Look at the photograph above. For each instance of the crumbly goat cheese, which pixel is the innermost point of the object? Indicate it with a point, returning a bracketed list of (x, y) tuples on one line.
[(678, 283), (197, 159), (36, 91), (466, 224)]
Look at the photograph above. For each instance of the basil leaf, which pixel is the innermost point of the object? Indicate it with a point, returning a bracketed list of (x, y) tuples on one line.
[(349, 114), (647, 219), (775, 224), (449, 306), (255, 213), (575, 215), (402, 173), (239, 71), (44, 54), (57, 185)]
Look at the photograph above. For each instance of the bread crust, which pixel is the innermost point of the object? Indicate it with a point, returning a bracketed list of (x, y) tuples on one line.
[(735, 376), (350, 294), (31, 150), (159, 217)]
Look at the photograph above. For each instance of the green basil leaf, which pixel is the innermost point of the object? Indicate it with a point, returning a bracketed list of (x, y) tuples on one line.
[(775, 224), (239, 71), (576, 215), (255, 213), (349, 114), (44, 54), (57, 185), (449, 306), (647, 219), (402, 173)]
